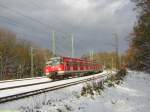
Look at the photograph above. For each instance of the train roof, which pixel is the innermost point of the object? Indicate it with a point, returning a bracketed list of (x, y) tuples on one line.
[(77, 59), (70, 58)]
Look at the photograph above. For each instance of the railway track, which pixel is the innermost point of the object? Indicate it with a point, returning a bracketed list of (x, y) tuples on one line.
[(44, 87), (25, 85), (14, 80)]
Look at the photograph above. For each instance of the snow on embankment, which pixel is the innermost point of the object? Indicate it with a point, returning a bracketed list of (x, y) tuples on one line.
[(20, 82), (130, 96)]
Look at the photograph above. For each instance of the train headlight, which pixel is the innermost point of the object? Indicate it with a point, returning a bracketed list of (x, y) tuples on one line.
[(59, 69), (47, 70)]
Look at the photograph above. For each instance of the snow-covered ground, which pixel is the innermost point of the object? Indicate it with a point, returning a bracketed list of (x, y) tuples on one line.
[(19, 82), (131, 96), (14, 91)]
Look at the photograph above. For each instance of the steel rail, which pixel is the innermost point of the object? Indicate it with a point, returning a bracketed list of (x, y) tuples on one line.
[(25, 85), (14, 80), (43, 90)]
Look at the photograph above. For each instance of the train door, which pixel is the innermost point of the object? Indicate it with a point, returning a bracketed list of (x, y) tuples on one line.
[(78, 66), (67, 66)]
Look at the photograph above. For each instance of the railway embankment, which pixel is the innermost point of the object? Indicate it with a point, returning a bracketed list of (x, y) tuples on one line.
[(98, 86), (122, 93)]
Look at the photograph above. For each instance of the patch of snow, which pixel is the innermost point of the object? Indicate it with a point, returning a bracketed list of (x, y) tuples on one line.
[(14, 91), (131, 96), (19, 82)]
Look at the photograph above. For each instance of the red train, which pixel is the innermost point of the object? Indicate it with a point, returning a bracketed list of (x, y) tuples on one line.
[(60, 67)]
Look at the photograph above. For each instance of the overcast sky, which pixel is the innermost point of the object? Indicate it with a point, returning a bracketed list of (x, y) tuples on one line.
[(92, 22)]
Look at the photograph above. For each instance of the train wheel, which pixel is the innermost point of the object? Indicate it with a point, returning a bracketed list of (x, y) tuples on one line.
[(54, 76)]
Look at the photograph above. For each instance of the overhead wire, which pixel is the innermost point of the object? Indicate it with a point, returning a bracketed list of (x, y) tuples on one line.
[(13, 22), (18, 28), (39, 7), (30, 18), (25, 16), (34, 20)]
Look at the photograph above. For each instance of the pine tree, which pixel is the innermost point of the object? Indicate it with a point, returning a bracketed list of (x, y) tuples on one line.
[(140, 42)]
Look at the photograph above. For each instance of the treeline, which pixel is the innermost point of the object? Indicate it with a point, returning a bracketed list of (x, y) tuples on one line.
[(15, 57), (109, 59), (139, 50)]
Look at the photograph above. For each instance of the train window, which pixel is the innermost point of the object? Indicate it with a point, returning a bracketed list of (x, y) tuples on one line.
[(54, 62), (48, 63), (78, 63), (70, 63), (74, 63)]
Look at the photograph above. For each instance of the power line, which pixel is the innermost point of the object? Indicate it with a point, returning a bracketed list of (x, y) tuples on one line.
[(39, 7), (60, 41), (72, 46), (35, 4), (30, 18), (32, 64), (116, 50), (1, 66), (58, 45), (13, 22), (53, 43), (23, 15)]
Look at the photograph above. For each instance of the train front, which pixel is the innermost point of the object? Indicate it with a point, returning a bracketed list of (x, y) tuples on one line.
[(54, 67)]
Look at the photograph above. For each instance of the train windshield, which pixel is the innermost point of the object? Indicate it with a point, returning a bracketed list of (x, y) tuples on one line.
[(54, 62)]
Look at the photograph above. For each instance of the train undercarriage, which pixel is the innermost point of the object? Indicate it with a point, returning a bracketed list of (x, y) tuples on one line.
[(69, 74)]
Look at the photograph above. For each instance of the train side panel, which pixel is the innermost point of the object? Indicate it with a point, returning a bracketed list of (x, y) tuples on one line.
[(72, 66)]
